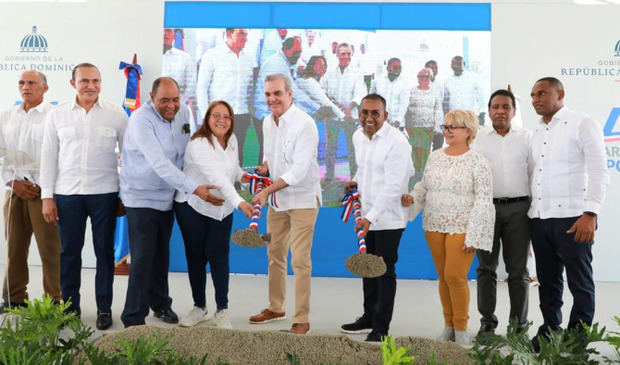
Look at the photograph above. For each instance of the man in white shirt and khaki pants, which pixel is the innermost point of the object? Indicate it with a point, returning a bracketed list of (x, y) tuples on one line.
[(568, 186), (21, 131), (291, 143), (507, 148)]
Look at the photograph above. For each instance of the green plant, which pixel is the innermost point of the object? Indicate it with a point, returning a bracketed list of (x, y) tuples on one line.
[(432, 359), (614, 340), (154, 350), (392, 355), (32, 334), (559, 347)]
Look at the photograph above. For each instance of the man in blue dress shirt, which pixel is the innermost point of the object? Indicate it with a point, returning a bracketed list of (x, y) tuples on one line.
[(152, 159)]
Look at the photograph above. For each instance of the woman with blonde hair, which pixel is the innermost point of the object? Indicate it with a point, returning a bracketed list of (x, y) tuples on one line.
[(456, 194)]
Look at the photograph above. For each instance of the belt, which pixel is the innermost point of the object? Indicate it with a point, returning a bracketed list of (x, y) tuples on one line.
[(510, 200)]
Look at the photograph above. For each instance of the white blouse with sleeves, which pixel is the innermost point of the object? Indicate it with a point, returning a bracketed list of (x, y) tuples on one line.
[(456, 194), (208, 163)]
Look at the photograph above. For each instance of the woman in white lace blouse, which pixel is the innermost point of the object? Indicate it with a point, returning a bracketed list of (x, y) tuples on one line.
[(456, 194)]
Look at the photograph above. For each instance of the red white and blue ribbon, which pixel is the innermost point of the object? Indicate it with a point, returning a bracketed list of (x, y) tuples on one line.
[(258, 183), (347, 202), (351, 202)]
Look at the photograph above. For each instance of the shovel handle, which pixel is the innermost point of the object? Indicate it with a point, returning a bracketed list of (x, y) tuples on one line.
[(357, 213), (257, 208)]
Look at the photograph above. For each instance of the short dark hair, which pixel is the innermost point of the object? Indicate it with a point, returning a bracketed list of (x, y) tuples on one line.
[(375, 97), (289, 42), (429, 62), (393, 59), (503, 92), (343, 44), (158, 81), (557, 84), (80, 65)]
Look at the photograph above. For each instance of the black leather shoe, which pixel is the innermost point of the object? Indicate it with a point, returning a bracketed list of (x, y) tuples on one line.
[(5, 306), (104, 320), (374, 337), (485, 328), (167, 315)]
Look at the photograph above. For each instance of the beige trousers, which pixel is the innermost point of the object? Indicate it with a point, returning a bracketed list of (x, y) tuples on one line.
[(292, 228), (25, 219)]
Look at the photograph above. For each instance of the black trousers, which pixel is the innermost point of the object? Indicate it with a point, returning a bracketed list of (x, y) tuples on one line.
[(555, 250), (379, 292), (206, 240), (149, 240), (512, 234)]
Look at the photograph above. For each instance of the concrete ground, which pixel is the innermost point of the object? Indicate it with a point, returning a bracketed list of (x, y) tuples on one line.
[(335, 301)]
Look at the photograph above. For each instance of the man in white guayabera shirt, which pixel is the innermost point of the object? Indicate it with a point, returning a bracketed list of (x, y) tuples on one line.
[(226, 73), (383, 156), (79, 180), (569, 180), (291, 143), (21, 132)]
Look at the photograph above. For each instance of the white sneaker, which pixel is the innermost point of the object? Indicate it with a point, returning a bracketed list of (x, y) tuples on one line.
[(463, 338), (222, 320), (447, 334), (193, 317)]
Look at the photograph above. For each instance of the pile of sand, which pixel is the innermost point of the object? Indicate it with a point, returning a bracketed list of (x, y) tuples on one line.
[(271, 347), (250, 238)]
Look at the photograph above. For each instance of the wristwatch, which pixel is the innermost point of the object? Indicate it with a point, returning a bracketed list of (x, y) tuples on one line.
[(591, 214)]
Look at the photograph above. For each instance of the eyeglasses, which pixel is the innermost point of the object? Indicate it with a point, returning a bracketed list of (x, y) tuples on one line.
[(423, 77), (445, 127), (217, 116)]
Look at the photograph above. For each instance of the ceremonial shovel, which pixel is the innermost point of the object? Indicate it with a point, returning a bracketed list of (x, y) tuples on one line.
[(362, 263), (250, 237)]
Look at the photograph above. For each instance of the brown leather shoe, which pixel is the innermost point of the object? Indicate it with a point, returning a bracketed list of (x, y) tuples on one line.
[(267, 316), (300, 328)]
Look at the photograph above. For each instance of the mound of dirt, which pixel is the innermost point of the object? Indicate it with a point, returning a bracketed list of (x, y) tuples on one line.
[(271, 347)]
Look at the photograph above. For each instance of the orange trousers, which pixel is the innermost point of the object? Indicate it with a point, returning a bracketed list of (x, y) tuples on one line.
[(452, 264)]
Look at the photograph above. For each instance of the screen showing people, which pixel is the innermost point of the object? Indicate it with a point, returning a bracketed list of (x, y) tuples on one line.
[(421, 74)]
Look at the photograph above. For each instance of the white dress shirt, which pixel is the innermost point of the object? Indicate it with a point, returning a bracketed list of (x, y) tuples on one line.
[(21, 135), (345, 87), (396, 94), (508, 157), (312, 97), (213, 165), (569, 166), (464, 92), (291, 153), (225, 76), (384, 167), (179, 65), (78, 154)]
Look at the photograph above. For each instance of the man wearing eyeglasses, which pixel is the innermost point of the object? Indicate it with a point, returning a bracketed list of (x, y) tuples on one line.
[(152, 158), (395, 91), (507, 149)]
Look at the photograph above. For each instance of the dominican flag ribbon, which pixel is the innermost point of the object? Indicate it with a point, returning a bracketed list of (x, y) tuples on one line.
[(348, 201), (133, 74), (258, 183)]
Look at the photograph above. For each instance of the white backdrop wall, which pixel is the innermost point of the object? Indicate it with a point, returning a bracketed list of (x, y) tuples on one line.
[(529, 40)]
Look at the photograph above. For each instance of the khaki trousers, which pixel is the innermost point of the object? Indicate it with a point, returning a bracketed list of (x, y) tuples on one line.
[(452, 264), (292, 228), (25, 218)]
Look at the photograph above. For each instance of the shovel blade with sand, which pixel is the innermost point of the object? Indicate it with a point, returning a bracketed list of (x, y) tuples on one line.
[(250, 237), (362, 263)]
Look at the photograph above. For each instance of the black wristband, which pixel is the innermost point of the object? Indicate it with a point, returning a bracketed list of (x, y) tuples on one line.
[(591, 214)]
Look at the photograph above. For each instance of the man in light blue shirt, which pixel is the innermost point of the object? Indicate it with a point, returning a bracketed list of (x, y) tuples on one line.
[(152, 159)]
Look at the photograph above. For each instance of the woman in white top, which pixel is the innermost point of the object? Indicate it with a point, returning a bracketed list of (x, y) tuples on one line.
[(210, 158), (423, 114), (456, 194)]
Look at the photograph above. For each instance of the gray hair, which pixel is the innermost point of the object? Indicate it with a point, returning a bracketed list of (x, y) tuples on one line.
[(40, 74), (280, 76)]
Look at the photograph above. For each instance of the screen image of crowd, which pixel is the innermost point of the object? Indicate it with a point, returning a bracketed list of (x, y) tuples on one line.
[(421, 74)]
